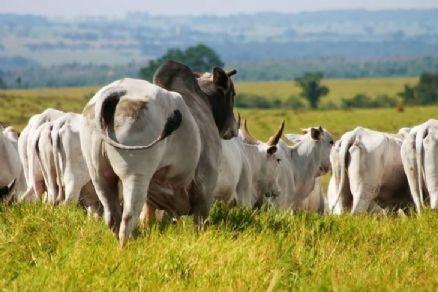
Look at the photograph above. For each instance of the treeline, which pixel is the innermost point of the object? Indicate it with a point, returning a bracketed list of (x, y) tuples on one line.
[(359, 100), (71, 74), (423, 93), (76, 74), (334, 68)]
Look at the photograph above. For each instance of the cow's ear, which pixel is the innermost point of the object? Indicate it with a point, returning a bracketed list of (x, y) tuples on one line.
[(232, 72), (220, 78), (272, 149), (315, 133), (294, 138)]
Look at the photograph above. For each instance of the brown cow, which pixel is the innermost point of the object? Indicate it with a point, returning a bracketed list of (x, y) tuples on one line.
[(176, 171)]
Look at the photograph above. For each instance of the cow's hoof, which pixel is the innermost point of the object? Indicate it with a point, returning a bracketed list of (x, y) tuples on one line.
[(122, 241)]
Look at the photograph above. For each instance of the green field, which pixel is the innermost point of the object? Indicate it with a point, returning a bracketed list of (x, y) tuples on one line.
[(32, 101), (60, 248), (339, 88)]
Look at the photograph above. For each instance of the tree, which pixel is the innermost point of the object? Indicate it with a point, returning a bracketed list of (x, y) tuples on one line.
[(425, 92), (427, 89), (311, 88), (408, 94), (18, 81), (199, 58), (2, 84)]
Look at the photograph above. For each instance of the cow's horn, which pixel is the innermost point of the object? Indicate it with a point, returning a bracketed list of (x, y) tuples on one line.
[(274, 139), (247, 136)]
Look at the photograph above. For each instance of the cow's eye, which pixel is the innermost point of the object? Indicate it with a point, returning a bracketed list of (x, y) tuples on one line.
[(331, 142), (278, 160)]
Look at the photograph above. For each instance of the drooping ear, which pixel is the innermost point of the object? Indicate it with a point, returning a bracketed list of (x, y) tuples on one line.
[(232, 72), (272, 149), (315, 133), (220, 78), (294, 138)]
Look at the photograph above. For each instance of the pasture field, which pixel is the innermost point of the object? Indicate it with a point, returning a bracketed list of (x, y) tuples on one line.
[(60, 248), (339, 88), (18, 104)]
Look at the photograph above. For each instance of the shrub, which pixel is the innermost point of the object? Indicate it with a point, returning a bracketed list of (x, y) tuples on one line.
[(361, 100), (425, 92)]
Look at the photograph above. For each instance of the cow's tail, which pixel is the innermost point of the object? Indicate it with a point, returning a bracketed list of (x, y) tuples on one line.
[(57, 156), (421, 134), (6, 190), (34, 157), (104, 115), (343, 151)]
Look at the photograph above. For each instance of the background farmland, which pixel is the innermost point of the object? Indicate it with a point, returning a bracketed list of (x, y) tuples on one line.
[(59, 248), (17, 105)]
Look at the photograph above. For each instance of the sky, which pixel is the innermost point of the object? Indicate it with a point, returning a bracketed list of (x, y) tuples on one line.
[(119, 8)]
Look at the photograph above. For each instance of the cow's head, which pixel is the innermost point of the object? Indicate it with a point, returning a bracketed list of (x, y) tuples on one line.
[(216, 89), (319, 142), (266, 160), (219, 88)]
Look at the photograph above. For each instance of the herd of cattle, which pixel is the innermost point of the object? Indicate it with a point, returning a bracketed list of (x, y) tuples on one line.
[(173, 146)]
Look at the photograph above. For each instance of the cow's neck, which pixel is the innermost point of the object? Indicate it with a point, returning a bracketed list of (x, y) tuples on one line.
[(304, 157)]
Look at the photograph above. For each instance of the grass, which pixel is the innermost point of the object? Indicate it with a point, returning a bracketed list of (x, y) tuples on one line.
[(60, 248), (16, 106), (339, 88)]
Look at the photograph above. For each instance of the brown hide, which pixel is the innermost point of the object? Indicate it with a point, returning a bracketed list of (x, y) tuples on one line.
[(177, 77)]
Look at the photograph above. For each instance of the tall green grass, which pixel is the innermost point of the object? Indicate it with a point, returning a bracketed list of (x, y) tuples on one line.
[(46, 248), (60, 248)]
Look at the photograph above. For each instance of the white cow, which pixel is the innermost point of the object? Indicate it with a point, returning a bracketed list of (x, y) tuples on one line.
[(43, 153), (11, 173), (367, 173), (71, 169), (248, 169), (25, 150), (127, 137), (234, 182), (73, 178), (420, 161), (264, 163), (315, 201), (57, 150), (300, 166)]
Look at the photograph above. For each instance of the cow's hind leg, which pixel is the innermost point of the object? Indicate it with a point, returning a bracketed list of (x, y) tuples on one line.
[(410, 168), (135, 188), (105, 182), (359, 176), (431, 167), (72, 191), (107, 190)]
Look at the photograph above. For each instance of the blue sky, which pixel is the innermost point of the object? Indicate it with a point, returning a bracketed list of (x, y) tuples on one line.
[(118, 8)]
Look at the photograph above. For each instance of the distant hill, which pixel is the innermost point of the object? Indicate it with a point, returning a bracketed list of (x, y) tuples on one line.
[(242, 37), (263, 41)]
